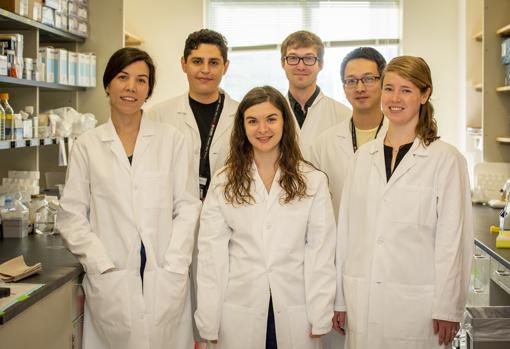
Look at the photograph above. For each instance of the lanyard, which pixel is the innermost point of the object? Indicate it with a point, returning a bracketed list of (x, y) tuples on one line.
[(353, 132), (214, 123)]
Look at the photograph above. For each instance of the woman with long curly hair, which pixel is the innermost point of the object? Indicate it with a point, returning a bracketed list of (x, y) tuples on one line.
[(266, 274)]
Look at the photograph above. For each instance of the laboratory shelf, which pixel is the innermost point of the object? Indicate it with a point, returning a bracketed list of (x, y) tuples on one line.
[(12, 21), (33, 142), (504, 31), (7, 81), (505, 140), (503, 89)]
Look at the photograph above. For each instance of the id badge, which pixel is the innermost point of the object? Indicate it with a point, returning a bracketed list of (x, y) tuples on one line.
[(202, 180)]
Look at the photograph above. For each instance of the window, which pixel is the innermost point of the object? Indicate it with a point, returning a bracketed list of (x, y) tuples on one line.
[(255, 29)]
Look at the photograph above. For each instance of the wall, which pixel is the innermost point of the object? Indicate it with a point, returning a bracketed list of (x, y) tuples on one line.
[(434, 30), (164, 25), (431, 29)]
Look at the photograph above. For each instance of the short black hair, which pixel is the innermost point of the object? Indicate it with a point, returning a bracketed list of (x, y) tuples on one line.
[(206, 36), (368, 53), (124, 57)]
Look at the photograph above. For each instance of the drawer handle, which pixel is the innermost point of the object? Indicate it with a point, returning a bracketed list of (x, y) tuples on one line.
[(502, 272)]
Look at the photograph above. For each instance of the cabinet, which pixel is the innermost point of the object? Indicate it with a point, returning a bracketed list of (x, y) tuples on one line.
[(491, 107), (106, 35)]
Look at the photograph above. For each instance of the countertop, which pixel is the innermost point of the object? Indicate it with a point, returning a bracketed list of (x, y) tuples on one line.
[(59, 266), (484, 217)]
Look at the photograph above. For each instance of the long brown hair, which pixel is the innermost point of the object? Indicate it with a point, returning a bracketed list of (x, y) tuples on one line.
[(417, 71), (240, 159)]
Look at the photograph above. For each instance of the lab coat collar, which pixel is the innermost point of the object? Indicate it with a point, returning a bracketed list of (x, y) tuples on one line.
[(260, 189), (408, 162), (109, 134)]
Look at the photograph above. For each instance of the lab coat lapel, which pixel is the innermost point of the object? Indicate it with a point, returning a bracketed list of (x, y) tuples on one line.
[(186, 113), (377, 151), (260, 189), (407, 163), (143, 139), (344, 139), (110, 136)]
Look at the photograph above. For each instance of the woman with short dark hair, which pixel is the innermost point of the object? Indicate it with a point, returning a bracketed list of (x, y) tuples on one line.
[(126, 215)]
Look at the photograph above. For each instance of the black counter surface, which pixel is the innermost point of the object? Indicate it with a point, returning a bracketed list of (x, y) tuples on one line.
[(484, 217), (59, 266)]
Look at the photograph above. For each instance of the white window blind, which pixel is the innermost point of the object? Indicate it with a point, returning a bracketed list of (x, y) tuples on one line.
[(255, 29)]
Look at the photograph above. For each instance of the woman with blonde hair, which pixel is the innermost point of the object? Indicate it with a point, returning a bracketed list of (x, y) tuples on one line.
[(405, 229), (266, 275)]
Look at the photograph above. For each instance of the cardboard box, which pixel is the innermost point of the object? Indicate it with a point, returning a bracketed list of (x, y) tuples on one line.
[(47, 56), (83, 12), (19, 7), (72, 68), (72, 24), (48, 16), (61, 66), (83, 28), (35, 10), (72, 8)]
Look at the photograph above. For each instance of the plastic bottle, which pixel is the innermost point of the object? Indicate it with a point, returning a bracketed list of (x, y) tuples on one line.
[(9, 116), (14, 219), (45, 217), (35, 120), (2, 123)]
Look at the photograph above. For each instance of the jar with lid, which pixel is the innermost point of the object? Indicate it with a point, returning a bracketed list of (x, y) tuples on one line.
[(44, 220), (36, 202)]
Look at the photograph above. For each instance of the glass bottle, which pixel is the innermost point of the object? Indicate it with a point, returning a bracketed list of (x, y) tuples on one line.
[(9, 116)]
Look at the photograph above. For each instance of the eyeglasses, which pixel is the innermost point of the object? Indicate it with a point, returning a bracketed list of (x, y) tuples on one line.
[(368, 80), (307, 60)]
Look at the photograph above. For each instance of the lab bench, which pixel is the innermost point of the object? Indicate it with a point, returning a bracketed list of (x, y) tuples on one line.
[(491, 265), (52, 316)]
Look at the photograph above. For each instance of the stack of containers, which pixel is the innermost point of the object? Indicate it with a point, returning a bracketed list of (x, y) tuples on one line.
[(505, 58), (68, 68), (78, 17)]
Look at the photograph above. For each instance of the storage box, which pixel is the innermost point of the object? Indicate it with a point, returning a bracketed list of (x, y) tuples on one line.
[(48, 16), (83, 69), (505, 51), (15, 228), (3, 65), (507, 75), (83, 28), (83, 12), (92, 82), (47, 56), (72, 24), (72, 8), (58, 20), (19, 7), (35, 10), (61, 66), (54, 4), (488, 327), (72, 68)]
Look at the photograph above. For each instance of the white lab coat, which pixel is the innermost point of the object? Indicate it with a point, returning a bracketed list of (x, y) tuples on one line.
[(323, 114), (177, 112), (332, 153), (404, 246), (108, 207), (245, 251)]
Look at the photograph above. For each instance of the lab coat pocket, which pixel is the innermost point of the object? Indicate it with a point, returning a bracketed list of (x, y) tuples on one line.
[(356, 295), (171, 293), (411, 204), (157, 190), (409, 311), (236, 327), (300, 329), (108, 298)]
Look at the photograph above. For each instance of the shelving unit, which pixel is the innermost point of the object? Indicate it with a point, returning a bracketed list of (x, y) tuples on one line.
[(491, 109), (106, 35)]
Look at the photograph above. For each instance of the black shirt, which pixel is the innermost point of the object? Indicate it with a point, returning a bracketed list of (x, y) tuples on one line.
[(402, 151), (204, 115), (296, 107)]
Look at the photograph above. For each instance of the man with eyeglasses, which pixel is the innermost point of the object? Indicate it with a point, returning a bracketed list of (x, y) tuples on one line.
[(334, 150), (302, 58)]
